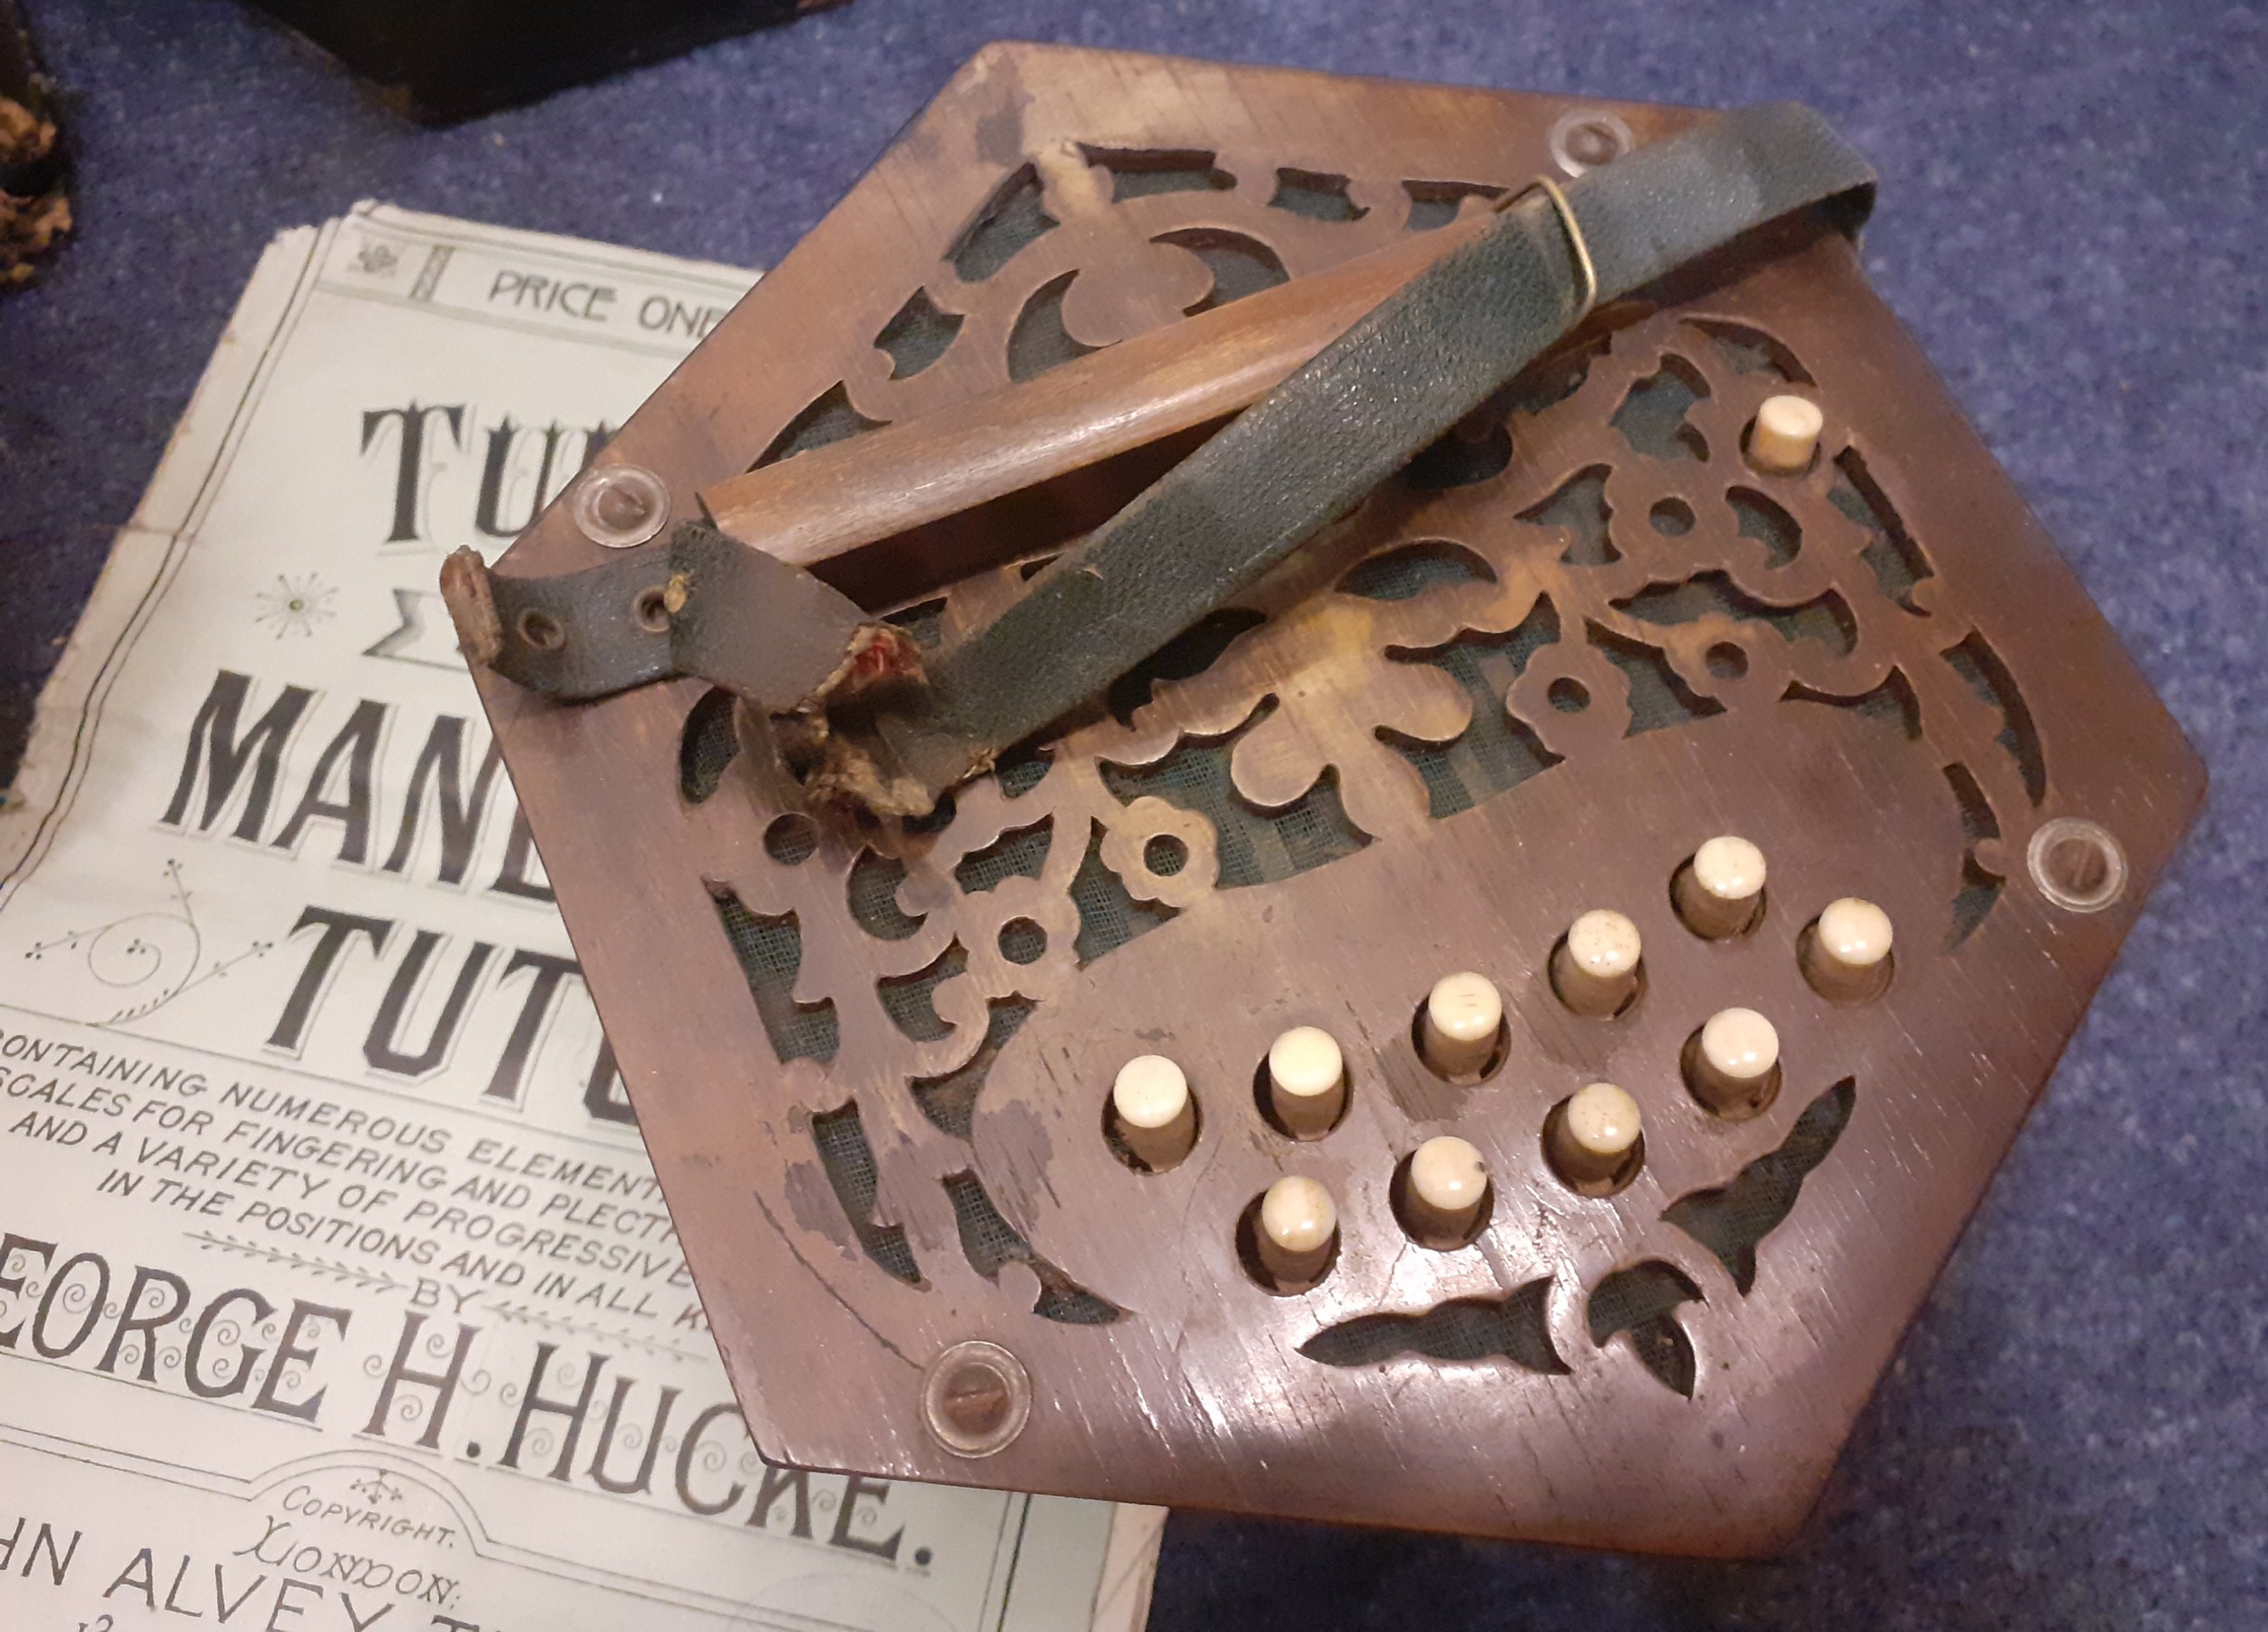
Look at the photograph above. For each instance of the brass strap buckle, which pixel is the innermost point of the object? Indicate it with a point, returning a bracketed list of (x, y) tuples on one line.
[(1551, 190)]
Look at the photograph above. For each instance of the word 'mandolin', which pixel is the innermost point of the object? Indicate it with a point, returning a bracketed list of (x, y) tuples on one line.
[(342, 792), (365, 794)]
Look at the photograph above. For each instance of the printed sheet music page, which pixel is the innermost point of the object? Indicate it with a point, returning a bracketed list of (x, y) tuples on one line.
[(336, 1293)]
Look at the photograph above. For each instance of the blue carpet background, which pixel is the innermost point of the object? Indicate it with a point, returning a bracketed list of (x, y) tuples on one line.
[(2074, 1435)]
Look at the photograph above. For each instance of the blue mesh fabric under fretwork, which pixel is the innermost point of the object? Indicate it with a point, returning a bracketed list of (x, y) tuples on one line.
[(1108, 917), (1020, 853), (1256, 846), (1495, 752), (950, 1102), (911, 1000), (770, 952), (990, 1242), (1730, 1221), (849, 1162)]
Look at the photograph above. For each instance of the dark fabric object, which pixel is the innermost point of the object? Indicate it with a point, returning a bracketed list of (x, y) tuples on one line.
[(34, 158), (445, 60), (2071, 1437)]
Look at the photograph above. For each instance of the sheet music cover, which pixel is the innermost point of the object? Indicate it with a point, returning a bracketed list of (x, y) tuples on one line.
[(336, 1291)]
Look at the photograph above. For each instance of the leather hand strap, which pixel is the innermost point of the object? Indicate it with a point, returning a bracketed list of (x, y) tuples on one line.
[(1314, 447)]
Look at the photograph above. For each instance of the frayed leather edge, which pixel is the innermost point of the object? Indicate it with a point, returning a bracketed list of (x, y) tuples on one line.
[(472, 603), (851, 776), (877, 653), (858, 773)]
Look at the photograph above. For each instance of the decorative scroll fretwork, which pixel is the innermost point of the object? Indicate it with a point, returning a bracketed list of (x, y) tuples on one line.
[(1085, 246), (1589, 559), (1733, 1219), (1464, 1331)]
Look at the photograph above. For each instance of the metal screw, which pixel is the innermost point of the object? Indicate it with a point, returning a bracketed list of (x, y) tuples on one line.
[(620, 505), (976, 1398), (2077, 864), (1586, 138)]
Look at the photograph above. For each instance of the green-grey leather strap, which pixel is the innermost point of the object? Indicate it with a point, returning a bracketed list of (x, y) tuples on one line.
[(1312, 448), (696, 602)]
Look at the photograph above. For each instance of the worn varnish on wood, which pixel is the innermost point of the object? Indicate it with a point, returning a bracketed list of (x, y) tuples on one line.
[(1528, 681)]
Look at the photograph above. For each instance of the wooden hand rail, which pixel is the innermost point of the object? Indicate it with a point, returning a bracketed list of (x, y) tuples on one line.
[(832, 500)]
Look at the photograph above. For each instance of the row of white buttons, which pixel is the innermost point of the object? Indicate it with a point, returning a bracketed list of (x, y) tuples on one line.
[(1594, 1131)]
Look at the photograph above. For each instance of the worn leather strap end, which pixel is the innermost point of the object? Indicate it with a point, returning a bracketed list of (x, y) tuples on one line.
[(697, 603), (771, 633)]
